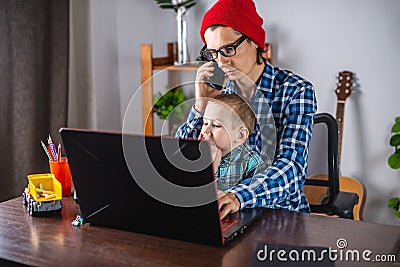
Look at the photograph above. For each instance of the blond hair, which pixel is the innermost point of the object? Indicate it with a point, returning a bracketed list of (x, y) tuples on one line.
[(240, 106)]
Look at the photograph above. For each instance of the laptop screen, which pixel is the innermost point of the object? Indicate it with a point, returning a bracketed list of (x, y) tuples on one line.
[(153, 185)]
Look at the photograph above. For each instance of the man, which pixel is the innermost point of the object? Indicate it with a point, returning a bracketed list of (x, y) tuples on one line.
[(234, 37)]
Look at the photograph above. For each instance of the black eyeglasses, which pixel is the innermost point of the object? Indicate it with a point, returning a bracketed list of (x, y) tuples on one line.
[(226, 50)]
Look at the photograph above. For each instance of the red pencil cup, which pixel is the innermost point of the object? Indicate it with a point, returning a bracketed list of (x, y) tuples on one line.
[(63, 174)]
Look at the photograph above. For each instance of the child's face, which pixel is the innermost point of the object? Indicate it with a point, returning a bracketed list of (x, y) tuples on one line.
[(218, 126)]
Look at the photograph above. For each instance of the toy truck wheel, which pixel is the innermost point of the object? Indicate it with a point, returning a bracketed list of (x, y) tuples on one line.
[(24, 199), (31, 210)]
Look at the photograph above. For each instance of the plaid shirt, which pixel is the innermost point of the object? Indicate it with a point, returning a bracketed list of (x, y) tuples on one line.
[(291, 99), (238, 165)]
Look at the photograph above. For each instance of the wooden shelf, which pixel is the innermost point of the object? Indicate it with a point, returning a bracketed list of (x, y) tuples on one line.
[(148, 64), (190, 67)]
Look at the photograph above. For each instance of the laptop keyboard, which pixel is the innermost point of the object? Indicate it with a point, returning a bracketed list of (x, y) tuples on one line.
[(226, 224)]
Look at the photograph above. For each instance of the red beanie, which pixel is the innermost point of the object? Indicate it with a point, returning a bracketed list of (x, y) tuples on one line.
[(240, 15)]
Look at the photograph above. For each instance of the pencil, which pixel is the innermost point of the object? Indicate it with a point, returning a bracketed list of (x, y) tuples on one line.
[(53, 151), (51, 154), (59, 152), (45, 150)]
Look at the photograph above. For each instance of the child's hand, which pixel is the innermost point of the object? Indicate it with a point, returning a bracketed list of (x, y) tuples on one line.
[(216, 153), (204, 136)]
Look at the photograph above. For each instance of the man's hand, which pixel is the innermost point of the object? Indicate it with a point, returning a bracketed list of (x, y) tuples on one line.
[(203, 91), (227, 203)]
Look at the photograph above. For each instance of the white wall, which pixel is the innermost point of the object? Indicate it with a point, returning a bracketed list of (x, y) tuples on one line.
[(94, 81), (313, 38), (320, 38)]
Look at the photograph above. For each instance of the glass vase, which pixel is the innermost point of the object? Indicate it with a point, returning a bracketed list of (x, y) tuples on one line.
[(181, 18)]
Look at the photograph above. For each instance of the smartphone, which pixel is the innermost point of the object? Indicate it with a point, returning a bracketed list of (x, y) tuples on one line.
[(217, 80)]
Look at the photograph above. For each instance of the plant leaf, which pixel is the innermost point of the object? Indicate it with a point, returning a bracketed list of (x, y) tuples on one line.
[(394, 160), (398, 120), (163, 2), (190, 2), (396, 128), (395, 140), (394, 203), (189, 5), (168, 4), (166, 7), (397, 213), (168, 101)]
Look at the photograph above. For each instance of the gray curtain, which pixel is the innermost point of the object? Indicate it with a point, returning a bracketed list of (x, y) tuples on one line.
[(34, 48)]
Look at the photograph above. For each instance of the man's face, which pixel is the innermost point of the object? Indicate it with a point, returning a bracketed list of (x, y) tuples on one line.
[(239, 65), (219, 126)]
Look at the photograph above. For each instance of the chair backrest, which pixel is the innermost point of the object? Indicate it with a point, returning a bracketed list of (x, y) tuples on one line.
[(322, 183), (322, 186)]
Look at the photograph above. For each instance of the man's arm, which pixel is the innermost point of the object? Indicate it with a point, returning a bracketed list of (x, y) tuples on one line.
[(280, 185), (192, 127)]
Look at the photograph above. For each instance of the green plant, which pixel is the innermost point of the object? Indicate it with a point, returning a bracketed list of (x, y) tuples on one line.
[(394, 162), (169, 101), (176, 4)]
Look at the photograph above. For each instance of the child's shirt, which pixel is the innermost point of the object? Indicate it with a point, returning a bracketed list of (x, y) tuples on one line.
[(240, 164)]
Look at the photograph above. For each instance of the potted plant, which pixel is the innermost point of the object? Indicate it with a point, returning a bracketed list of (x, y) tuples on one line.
[(176, 4), (394, 162), (172, 100)]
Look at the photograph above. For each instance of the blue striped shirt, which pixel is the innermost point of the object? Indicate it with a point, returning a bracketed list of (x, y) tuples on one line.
[(287, 101), (240, 164)]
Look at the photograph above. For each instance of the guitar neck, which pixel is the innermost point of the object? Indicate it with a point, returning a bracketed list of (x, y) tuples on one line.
[(339, 117)]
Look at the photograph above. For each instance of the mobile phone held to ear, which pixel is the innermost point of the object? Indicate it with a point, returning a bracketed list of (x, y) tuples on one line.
[(217, 80)]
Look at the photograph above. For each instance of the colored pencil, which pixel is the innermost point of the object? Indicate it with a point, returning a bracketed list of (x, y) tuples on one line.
[(59, 152), (50, 153), (45, 150), (52, 149)]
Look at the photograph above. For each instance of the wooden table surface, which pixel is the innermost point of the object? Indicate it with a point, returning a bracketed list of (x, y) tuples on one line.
[(53, 241)]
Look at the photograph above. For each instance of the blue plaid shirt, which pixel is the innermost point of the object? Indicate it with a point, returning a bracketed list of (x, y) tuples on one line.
[(238, 165), (289, 102)]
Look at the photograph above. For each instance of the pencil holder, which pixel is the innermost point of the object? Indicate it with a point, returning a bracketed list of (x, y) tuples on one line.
[(63, 174)]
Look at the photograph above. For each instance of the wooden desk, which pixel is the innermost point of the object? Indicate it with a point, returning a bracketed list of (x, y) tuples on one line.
[(53, 241)]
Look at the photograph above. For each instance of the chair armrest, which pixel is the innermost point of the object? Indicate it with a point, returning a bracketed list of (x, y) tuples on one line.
[(344, 203)]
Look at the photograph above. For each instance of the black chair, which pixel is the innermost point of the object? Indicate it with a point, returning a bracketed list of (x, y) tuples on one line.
[(322, 183)]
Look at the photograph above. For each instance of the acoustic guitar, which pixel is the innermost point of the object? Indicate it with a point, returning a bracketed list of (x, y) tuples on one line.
[(343, 91), (347, 184), (316, 195)]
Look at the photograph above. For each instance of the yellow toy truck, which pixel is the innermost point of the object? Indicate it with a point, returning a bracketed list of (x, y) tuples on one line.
[(43, 194)]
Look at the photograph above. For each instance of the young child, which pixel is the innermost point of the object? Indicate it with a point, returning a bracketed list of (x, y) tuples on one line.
[(228, 120)]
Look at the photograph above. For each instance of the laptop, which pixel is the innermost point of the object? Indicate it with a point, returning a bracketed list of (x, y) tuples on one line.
[(150, 184)]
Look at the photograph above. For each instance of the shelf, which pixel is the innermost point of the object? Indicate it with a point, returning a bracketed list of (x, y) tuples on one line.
[(148, 64), (190, 67)]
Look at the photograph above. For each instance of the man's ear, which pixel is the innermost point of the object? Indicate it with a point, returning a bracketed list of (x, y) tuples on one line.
[(243, 134)]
